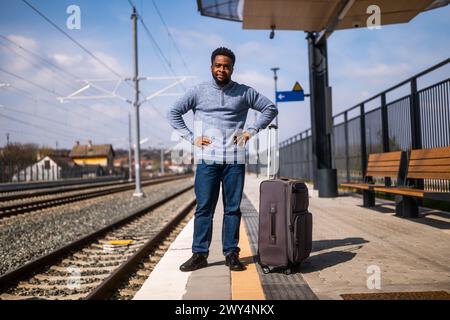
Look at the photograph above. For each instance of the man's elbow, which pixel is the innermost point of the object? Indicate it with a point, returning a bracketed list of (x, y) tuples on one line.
[(172, 114), (275, 111)]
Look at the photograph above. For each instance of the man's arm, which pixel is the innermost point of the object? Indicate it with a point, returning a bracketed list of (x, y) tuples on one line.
[(176, 112), (260, 103)]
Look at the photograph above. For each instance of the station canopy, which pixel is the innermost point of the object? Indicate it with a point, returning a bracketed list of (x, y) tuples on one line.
[(313, 15)]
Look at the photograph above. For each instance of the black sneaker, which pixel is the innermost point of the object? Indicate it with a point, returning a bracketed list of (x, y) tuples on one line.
[(197, 261), (232, 261)]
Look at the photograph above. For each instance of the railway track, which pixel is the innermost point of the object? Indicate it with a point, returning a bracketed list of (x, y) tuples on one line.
[(96, 265), (15, 208), (41, 191)]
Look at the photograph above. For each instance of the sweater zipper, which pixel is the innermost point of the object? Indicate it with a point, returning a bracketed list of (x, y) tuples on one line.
[(222, 98)]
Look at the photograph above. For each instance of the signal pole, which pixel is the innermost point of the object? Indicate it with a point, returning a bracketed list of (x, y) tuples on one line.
[(137, 152), (275, 78)]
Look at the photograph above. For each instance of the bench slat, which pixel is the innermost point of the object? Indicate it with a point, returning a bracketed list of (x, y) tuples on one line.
[(402, 191), (396, 155), (429, 175), (430, 162), (434, 153), (382, 174), (383, 169), (443, 169), (360, 186), (383, 163)]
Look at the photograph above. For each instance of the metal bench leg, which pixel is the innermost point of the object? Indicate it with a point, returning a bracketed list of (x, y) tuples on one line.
[(406, 207), (368, 198)]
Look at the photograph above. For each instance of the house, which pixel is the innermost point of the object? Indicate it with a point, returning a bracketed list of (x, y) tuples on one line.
[(49, 168), (93, 155)]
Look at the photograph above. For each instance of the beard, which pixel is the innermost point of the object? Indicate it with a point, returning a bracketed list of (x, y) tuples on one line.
[(223, 82)]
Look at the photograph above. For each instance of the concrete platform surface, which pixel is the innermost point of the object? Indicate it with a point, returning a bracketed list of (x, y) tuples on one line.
[(355, 250)]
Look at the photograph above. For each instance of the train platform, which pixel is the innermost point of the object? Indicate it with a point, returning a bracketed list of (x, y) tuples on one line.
[(358, 253)]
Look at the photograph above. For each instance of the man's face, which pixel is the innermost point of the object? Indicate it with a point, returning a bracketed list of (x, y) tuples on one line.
[(222, 69)]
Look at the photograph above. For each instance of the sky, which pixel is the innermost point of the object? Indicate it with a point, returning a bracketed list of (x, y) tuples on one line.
[(38, 64)]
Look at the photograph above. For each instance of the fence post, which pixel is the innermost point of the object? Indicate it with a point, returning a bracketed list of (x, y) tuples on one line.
[(384, 123), (385, 130), (416, 130), (347, 152), (362, 119)]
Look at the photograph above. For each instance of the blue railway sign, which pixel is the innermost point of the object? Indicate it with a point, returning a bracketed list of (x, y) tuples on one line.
[(297, 94)]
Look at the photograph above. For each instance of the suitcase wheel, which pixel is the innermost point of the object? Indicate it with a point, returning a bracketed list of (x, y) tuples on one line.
[(287, 271), (265, 270)]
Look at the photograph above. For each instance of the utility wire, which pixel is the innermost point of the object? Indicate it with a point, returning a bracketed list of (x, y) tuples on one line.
[(171, 37), (31, 97), (36, 66), (53, 92), (73, 40), (50, 120), (36, 126), (52, 64)]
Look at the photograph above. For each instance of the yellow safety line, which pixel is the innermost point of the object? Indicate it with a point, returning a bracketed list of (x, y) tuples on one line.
[(246, 285)]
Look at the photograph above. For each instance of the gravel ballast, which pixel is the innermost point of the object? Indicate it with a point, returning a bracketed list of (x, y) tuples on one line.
[(25, 237)]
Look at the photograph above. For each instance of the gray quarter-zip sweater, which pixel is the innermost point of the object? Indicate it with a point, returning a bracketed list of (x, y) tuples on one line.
[(220, 114)]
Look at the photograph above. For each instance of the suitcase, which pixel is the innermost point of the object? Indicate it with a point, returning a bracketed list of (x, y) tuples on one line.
[(285, 224)]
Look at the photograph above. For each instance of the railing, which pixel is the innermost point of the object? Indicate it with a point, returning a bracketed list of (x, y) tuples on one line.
[(420, 119)]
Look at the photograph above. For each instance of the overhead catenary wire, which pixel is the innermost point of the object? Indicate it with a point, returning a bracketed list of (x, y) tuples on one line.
[(52, 64), (36, 126), (31, 97), (117, 74), (53, 92), (90, 53), (74, 40), (171, 37), (16, 110), (31, 134), (52, 74)]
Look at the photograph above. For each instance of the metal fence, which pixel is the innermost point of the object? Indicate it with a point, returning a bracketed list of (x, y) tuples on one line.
[(421, 119)]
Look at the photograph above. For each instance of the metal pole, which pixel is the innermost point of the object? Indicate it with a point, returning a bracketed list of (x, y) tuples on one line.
[(130, 169), (257, 150), (137, 157), (162, 160), (269, 154), (276, 158), (275, 78), (324, 176)]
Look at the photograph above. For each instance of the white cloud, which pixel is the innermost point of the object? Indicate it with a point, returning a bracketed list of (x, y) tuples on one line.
[(65, 60), (380, 70), (26, 42), (254, 79), (191, 39)]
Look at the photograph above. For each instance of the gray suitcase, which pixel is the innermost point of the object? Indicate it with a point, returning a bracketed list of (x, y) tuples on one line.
[(285, 224)]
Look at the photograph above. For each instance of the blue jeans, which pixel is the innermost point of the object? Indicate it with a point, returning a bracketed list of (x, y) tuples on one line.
[(207, 186)]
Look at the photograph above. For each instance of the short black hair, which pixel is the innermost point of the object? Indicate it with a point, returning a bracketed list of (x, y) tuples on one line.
[(222, 51)]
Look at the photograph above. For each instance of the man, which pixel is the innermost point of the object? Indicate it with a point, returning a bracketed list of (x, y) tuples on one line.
[(220, 110)]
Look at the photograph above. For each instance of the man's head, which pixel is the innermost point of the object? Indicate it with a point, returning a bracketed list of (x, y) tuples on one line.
[(222, 63)]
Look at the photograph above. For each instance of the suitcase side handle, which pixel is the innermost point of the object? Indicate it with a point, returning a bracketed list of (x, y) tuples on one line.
[(273, 211)]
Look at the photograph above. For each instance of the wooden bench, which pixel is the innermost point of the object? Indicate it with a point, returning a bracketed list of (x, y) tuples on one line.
[(423, 164), (380, 165)]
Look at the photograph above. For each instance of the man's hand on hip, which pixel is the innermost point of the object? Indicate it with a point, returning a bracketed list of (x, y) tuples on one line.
[(202, 141), (242, 139)]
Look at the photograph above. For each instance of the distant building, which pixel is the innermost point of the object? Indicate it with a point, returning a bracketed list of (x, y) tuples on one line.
[(93, 155), (49, 168)]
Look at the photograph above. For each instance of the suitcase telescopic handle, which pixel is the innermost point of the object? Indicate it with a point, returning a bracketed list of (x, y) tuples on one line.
[(272, 142)]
